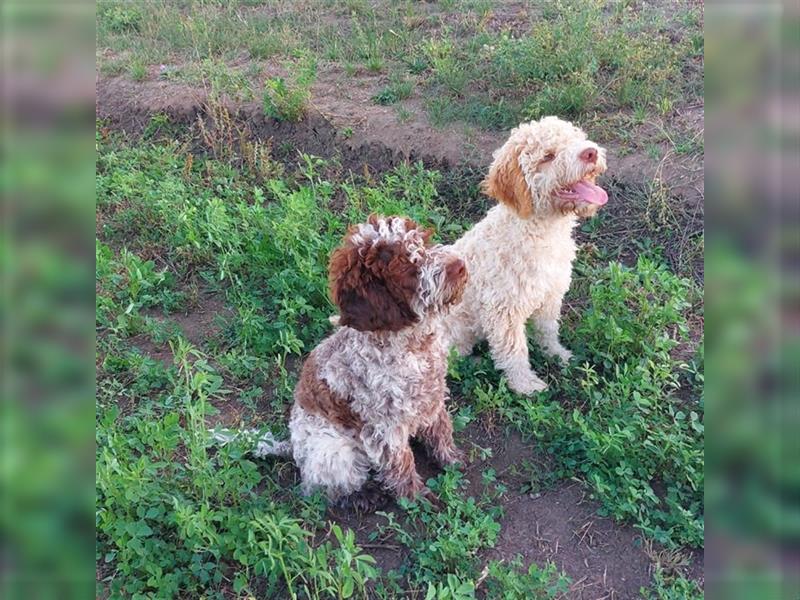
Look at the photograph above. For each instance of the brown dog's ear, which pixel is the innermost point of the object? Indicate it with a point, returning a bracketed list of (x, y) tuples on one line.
[(506, 183), (358, 286)]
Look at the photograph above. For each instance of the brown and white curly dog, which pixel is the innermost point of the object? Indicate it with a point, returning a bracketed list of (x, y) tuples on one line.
[(380, 378), (520, 255)]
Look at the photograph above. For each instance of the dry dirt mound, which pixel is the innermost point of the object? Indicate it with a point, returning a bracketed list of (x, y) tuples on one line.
[(376, 139), (343, 121)]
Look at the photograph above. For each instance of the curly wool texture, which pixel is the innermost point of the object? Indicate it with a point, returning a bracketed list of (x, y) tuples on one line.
[(380, 378), (520, 255)]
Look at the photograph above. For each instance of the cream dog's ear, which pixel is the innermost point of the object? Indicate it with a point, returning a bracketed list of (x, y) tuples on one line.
[(506, 182)]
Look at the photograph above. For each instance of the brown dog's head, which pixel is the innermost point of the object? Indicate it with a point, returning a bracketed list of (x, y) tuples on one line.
[(386, 277), (548, 167)]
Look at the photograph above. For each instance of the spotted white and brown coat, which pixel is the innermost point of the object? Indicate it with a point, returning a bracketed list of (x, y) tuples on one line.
[(379, 379)]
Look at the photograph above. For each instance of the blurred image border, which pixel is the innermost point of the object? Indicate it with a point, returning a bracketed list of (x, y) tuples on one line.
[(752, 261), (752, 53)]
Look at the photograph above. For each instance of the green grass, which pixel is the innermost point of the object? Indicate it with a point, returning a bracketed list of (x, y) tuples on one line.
[(580, 60), (398, 89), (576, 60), (176, 514)]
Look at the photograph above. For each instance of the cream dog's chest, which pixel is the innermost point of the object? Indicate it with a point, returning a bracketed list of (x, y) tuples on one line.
[(521, 274)]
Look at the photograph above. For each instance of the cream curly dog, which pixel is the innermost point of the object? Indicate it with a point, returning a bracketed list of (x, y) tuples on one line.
[(379, 379), (520, 255)]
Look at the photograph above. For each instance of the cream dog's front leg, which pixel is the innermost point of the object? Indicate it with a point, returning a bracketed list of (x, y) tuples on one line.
[(508, 343)]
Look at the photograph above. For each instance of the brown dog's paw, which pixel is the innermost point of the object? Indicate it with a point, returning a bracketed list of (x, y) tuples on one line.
[(368, 499), (453, 456), (433, 499)]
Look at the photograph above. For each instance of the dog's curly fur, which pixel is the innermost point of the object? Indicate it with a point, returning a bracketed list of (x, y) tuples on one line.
[(520, 255), (380, 378)]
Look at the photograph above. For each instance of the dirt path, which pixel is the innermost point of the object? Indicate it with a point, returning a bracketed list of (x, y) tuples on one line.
[(343, 121)]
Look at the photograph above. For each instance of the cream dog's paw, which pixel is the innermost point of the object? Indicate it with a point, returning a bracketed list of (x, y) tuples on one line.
[(527, 384)]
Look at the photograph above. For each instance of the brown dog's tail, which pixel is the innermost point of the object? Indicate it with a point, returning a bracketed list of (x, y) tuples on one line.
[(261, 447)]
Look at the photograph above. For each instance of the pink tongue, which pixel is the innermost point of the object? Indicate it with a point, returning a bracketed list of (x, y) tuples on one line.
[(591, 193)]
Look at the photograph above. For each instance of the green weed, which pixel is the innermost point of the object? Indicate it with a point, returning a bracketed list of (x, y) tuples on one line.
[(158, 122), (219, 79), (235, 233), (445, 544), (127, 284), (137, 70), (445, 541), (287, 100), (398, 89), (403, 115), (174, 518), (447, 64), (265, 46), (369, 45), (510, 581), (417, 64), (119, 17), (452, 588), (675, 587)]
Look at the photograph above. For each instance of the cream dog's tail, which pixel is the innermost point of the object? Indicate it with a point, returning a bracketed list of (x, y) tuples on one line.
[(261, 447)]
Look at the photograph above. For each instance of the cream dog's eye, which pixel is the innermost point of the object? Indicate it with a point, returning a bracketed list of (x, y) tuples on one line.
[(549, 156)]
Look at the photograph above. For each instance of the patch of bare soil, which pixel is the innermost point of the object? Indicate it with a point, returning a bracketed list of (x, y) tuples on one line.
[(129, 105), (201, 322), (347, 102), (683, 174), (604, 559), (198, 324), (344, 122), (158, 352), (376, 139)]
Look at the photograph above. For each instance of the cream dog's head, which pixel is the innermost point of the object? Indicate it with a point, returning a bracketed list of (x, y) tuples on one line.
[(548, 167)]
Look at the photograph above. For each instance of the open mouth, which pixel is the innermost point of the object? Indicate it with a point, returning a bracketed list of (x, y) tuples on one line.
[(584, 191)]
